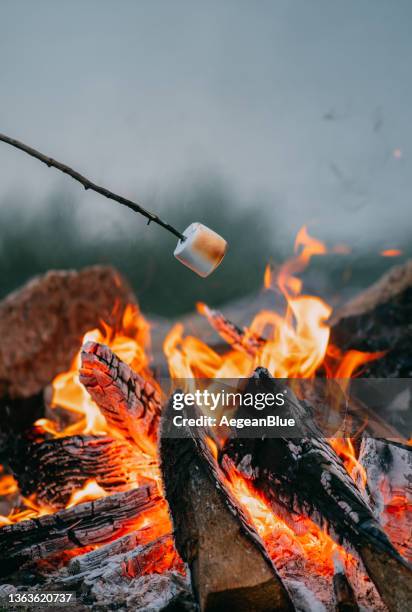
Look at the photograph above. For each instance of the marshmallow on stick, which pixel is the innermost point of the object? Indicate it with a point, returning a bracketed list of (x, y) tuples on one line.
[(202, 250), (199, 248)]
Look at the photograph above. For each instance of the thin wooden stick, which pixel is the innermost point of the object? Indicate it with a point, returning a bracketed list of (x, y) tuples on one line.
[(87, 184)]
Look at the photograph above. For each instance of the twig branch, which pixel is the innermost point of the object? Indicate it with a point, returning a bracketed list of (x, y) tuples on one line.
[(52, 163)]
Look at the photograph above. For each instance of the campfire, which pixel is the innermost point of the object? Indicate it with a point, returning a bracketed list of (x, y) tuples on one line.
[(95, 500)]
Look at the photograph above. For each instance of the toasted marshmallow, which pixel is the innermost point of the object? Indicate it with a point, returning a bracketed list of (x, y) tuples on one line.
[(203, 249)]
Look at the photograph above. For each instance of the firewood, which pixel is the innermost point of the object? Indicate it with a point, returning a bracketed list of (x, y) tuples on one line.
[(54, 468), (43, 323), (229, 566), (236, 336), (344, 595), (378, 319), (130, 404), (388, 467), (305, 476), (88, 523), (95, 558), (126, 579)]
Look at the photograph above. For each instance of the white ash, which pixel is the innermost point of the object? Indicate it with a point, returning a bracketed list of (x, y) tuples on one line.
[(303, 598), (151, 593)]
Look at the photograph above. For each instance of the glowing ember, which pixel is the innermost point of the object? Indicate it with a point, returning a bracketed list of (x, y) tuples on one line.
[(312, 544), (391, 253)]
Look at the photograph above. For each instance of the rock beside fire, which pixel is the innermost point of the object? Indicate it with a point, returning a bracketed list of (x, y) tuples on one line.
[(43, 323)]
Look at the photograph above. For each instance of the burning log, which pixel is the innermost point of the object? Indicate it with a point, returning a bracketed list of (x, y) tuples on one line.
[(88, 523), (130, 404), (377, 320), (305, 476), (229, 566), (54, 468), (42, 324), (388, 467), (94, 559), (149, 577), (235, 336)]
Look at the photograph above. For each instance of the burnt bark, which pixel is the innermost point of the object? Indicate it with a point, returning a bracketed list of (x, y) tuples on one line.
[(229, 566), (388, 467), (54, 468), (379, 319), (43, 323), (306, 477), (130, 404), (83, 564), (88, 523)]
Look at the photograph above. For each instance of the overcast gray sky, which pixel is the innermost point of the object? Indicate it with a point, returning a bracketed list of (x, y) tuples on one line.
[(303, 102)]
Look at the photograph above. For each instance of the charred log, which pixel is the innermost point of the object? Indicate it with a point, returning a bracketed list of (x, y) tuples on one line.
[(83, 564), (306, 477), (88, 523), (379, 320), (54, 468), (228, 563), (130, 404), (42, 324), (388, 467)]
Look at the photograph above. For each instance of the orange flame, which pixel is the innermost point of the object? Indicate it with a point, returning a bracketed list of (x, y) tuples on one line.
[(313, 545), (90, 491), (296, 342), (130, 343)]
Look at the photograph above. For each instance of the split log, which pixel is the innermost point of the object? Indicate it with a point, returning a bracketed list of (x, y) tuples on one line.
[(89, 523), (43, 323), (229, 566), (130, 404), (53, 469), (379, 319), (306, 477), (388, 468)]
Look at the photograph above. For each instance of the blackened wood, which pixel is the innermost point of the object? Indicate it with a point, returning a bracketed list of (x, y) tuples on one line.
[(388, 467), (345, 598), (53, 469), (43, 323), (305, 476), (92, 560), (88, 523), (379, 319), (229, 567), (130, 404)]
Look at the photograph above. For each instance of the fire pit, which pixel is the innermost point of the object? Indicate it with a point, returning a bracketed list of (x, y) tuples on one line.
[(96, 501)]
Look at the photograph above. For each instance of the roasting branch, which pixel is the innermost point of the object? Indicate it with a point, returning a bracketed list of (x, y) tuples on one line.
[(87, 184)]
